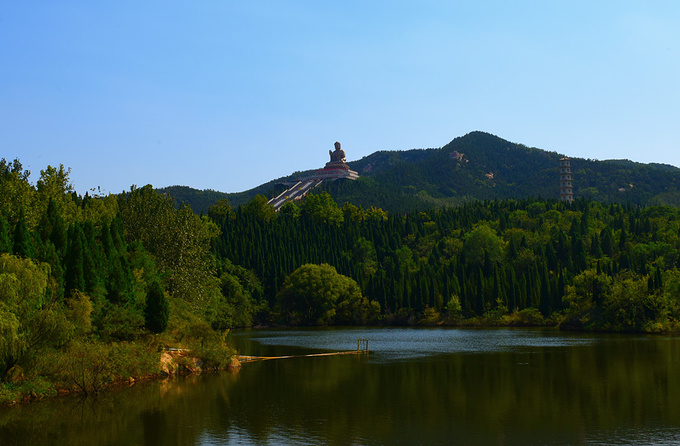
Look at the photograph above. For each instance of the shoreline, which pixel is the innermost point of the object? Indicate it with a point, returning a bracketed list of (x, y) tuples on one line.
[(173, 363)]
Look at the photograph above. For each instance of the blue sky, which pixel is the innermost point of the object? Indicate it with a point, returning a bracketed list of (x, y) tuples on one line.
[(227, 95)]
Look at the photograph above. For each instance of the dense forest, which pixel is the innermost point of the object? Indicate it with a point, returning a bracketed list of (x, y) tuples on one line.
[(93, 287), (585, 265)]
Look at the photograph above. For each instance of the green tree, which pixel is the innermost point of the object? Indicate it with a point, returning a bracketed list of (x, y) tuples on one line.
[(290, 209), (118, 280), (178, 239), (54, 185), (156, 309), (321, 207), (29, 319), (480, 242), (5, 241), (310, 294), (219, 210), (23, 241), (351, 212), (374, 213), (17, 194), (607, 242), (74, 278), (259, 210)]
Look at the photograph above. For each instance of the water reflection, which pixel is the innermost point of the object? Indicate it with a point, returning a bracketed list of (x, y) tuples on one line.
[(417, 387)]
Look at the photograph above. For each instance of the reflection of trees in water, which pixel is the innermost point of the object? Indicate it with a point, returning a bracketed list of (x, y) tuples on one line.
[(618, 382), (562, 390), (147, 413)]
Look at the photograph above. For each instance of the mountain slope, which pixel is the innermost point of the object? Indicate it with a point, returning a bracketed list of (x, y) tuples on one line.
[(481, 166)]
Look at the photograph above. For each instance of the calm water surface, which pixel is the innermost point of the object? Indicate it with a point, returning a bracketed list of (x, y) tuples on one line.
[(417, 386)]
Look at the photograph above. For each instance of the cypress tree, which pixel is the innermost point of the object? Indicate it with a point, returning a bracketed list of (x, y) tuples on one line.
[(92, 258), (561, 288), (479, 298), (579, 253), (156, 309), (23, 243), (623, 239), (550, 256), (512, 290), (74, 277), (545, 304), (562, 248), (108, 248), (58, 235), (488, 266), (512, 249), (607, 242), (48, 254), (118, 280), (497, 289), (5, 241), (45, 225), (595, 249)]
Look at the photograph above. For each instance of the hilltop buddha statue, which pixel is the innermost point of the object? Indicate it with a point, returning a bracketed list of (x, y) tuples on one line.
[(337, 156)]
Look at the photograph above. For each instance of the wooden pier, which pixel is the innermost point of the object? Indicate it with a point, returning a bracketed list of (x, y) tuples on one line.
[(362, 348)]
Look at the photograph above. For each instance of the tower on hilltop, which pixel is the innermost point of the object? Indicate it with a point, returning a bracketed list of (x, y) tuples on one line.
[(566, 186)]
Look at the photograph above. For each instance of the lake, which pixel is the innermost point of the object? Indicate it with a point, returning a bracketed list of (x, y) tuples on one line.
[(416, 386)]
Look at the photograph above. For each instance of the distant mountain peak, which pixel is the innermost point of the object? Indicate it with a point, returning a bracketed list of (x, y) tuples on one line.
[(478, 166)]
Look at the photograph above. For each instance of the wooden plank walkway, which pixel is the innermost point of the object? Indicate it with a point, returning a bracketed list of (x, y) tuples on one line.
[(362, 348), (245, 358)]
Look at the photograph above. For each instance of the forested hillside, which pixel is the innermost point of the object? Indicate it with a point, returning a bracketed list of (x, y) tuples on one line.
[(477, 166), (586, 266), (93, 287)]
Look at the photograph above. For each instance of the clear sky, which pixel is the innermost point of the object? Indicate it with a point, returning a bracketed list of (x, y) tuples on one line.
[(227, 95)]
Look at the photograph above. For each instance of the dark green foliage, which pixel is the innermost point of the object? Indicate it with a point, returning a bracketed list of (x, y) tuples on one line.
[(313, 294), (118, 279), (490, 168), (74, 260), (52, 227), (156, 309), (322, 208), (199, 200), (241, 300), (5, 240), (178, 239), (413, 264), (219, 210), (92, 259), (23, 241)]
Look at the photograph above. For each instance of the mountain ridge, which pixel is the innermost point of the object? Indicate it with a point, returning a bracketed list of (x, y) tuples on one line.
[(475, 166)]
